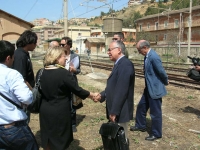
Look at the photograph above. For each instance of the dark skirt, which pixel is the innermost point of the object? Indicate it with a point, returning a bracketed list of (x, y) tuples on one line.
[(55, 124)]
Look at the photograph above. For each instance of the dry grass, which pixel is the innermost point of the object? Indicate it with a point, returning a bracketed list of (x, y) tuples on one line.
[(180, 110)]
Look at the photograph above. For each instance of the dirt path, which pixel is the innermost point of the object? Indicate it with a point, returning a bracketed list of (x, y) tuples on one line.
[(181, 108)]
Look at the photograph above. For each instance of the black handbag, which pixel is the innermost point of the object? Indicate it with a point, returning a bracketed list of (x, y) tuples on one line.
[(193, 74), (34, 107), (113, 137)]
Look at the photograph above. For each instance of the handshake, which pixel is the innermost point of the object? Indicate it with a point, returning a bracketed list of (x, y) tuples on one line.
[(96, 97)]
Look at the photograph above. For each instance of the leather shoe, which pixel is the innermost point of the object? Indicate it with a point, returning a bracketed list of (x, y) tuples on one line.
[(151, 138), (134, 128)]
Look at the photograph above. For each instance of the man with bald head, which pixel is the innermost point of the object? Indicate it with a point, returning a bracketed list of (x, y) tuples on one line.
[(155, 81), (54, 44)]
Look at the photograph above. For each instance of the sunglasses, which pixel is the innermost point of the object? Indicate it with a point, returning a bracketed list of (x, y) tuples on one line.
[(62, 45), (114, 39)]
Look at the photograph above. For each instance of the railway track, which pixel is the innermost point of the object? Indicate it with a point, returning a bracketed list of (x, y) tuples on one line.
[(175, 79)]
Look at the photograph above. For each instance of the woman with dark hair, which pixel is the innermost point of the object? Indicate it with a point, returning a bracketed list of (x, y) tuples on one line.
[(57, 83)]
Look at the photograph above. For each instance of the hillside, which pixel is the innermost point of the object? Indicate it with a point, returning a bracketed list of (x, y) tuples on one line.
[(128, 14)]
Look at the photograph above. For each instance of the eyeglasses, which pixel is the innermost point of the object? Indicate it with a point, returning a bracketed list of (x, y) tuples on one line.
[(115, 39), (110, 49), (140, 49), (62, 45)]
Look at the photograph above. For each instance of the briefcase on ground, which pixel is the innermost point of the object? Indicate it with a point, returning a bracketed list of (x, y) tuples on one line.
[(113, 137)]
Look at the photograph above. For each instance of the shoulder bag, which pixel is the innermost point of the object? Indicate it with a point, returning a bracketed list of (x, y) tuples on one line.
[(18, 106), (34, 107)]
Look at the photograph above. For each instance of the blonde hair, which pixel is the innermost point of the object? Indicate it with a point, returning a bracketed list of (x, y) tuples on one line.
[(52, 54)]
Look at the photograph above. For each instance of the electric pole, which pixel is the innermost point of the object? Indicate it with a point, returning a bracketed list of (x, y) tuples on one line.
[(189, 30), (65, 17)]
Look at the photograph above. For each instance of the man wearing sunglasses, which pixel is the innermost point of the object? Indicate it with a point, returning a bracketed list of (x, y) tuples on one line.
[(73, 65), (119, 36)]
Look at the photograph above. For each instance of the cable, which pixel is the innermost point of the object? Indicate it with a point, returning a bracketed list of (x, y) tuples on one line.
[(31, 9), (97, 8)]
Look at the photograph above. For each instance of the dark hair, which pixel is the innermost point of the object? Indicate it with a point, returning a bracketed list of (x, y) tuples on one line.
[(69, 41), (27, 37), (120, 34), (6, 49)]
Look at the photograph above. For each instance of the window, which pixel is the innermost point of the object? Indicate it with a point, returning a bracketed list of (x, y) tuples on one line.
[(188, 21), (156, 26), (148, 26), (165, 24), (156, 38), (176, 23), (140, 27), (165, 37)]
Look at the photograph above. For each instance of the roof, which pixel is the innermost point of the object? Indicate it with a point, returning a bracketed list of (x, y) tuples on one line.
[(1, 11), (54, 39), (169, 12), (95, 40)]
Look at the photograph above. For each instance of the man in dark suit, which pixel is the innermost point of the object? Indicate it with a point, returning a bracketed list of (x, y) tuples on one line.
[(73, 65), (120, 87), (155, 81)]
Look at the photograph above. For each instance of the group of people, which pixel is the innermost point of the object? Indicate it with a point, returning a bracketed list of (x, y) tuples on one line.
[(58, 83)]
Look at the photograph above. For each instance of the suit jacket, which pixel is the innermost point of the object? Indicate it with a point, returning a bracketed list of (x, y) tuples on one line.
[(119, 91), (155, 76)]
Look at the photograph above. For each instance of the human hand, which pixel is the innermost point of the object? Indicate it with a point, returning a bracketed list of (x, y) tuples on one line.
[(96, 97), (197, 68), (112, 118), (72, 68)]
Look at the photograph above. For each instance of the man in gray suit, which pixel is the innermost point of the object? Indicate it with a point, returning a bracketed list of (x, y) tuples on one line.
[(155, 81), (73, 65)]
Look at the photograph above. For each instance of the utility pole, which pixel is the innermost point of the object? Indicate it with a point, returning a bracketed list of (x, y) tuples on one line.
[(65, 17), (189, 30)]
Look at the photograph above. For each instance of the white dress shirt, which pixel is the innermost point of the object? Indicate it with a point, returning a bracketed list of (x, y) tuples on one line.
[(12, 86)]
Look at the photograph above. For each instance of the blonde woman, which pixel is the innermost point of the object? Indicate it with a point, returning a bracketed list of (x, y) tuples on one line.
[(57, 83)]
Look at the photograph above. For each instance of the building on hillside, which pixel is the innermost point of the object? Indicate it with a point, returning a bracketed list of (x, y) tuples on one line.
[(134, 2), (42, 22), (11, 27), (170, 27), (45, 33), (77, 21)]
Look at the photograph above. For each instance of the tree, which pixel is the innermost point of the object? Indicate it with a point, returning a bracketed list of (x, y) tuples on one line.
[(102, 13)]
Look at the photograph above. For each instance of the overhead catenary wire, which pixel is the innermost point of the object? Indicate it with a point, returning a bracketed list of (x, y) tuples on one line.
[(30, 9)]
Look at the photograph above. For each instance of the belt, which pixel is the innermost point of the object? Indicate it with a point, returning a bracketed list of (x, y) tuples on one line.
[(13, 124)]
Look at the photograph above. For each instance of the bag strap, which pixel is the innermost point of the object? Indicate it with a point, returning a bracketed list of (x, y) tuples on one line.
[(38, 80), (11, 101)]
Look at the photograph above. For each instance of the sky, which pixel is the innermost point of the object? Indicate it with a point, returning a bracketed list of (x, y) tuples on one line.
[(30, 10)]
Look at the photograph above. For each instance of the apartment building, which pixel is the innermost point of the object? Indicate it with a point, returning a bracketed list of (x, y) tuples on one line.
[(45, 33), (11, 27), (170, 27), (42, 22)]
